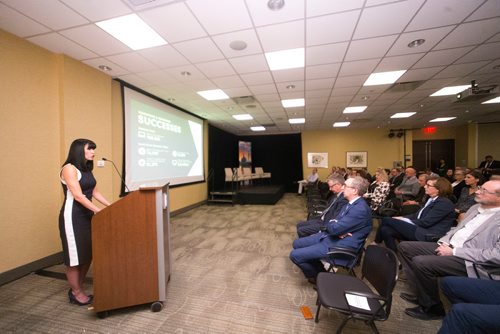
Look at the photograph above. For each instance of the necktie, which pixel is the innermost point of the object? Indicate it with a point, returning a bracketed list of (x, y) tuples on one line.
[(429, 201), (328, 208)]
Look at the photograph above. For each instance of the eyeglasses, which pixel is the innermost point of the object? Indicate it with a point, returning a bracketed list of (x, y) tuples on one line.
[(486, 191), (430, 185)]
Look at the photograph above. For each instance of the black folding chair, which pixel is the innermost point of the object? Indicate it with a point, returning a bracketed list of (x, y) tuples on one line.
[(337, 292)]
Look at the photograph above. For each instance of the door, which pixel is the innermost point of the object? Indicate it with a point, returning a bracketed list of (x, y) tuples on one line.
[(427, 153)]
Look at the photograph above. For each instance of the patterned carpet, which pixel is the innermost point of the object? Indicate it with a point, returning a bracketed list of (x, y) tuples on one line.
[(231, 274)]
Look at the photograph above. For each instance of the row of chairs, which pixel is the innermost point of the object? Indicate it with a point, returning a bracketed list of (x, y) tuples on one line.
[(245, 174)]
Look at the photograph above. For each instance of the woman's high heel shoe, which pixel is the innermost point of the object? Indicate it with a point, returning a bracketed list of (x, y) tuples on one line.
[(73, 300)]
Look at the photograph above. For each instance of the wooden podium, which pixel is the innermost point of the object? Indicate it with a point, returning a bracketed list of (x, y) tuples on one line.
[(131, 251)]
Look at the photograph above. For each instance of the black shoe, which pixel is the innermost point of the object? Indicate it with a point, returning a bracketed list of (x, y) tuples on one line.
[(434, 313), (73, 300), (409, 298)]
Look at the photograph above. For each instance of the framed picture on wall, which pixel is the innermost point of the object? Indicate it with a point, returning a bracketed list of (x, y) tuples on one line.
[(356, 159), (317, 160)]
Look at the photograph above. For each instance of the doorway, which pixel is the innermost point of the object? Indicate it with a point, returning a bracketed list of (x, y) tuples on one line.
[(427, 153)]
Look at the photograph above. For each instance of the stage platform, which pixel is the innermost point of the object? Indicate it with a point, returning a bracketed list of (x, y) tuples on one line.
[(249, 194), (260, 194)]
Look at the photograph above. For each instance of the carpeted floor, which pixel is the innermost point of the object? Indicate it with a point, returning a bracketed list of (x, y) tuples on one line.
[(231, 274)]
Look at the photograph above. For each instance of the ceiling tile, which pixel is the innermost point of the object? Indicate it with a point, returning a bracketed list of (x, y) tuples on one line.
[(257, 78), (316, 28), (325, 54), (273, 39), (194, 73), (358, 67), (489, 9), (371, 25), (431, 37), (420, 74), (398, 63), (18, 24), (98, 10), (60, 44), (164, 56), (488, 51), (472, 33), (237, 18), (322, 7), (263, 89), (116, 70), (460, 69), (378, 48), (232, 81), (132, 62), (237, 91), (50, 13), (448, 11), (175, 22), (282, 87), (322, 71), (351, 81), (157, 77), (442, 57), (249, 64), (248, 36), (217, 68), (96, 40), (262, 15), (288, 75), (199, 50), (319, 84)]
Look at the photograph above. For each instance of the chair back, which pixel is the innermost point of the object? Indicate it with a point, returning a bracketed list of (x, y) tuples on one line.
[(380, 268), (259, 170), (247, 171)]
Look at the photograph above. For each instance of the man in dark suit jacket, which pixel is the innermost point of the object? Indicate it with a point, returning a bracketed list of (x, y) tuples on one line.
[(489, 166), (429, 223), (349, 229), (314, 225)]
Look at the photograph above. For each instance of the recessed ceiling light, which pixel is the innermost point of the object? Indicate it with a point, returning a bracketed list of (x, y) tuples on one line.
[(415, 43), (243, 117), (452, 90), (290, 87), (495, 100), (354, 110), (105, 68), (285, 59), (185, 73), (238, 45), (341, 124), (297, 120), (132, 31), (290, 103), (442, 119), (275, 4), (496, 67), (383, 78), (258, 128), (170, 99), (213, 95), (364, 98), (403, 114)]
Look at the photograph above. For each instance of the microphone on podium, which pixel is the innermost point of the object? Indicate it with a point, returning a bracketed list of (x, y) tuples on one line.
[(120, 175)]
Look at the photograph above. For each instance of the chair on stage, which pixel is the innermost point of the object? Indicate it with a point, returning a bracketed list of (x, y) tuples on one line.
[(241, 177), (353, 297), (262, 175), (247, 172)]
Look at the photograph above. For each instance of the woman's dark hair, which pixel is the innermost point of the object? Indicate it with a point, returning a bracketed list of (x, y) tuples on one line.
[(76, 155), (444, 187), (478, 176)]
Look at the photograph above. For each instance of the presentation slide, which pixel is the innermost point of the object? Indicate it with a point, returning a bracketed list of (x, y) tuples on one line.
[(162, 143)]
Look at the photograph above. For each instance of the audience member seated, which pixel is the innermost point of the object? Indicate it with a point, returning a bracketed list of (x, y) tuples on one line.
[(475, 239), (413, 205), (429, 172), (466, 199), (459, 183), (450, 173), (476, 305), (489, 166), (378, 190), (408, 189), (312, 178), (334, 206), (429, 223), (349, 229)]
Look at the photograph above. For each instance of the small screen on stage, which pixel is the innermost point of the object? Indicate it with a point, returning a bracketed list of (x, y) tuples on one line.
[(162, 143)]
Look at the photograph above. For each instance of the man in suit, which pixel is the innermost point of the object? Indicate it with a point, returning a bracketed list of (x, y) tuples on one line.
[(432, 221), (476, 305), (489, 166), (337, 202), (349, 229), (475, 239)]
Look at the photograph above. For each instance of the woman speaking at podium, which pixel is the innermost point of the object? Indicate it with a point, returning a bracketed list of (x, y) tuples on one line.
[(79, 186)]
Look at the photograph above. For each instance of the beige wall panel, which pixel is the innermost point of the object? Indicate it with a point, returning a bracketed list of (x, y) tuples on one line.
[(488, 142)]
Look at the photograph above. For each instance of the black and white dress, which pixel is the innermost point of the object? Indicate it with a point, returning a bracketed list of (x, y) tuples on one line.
[(75, 223)]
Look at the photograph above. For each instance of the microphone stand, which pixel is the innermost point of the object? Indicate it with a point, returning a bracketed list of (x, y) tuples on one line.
[(120, 175)]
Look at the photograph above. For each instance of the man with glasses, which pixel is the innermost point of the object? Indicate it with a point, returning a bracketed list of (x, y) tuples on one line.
[(333, 208), (476, 239), (349, 229)]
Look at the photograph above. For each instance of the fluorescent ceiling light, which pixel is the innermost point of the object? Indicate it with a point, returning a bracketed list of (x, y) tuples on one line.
[(452, 90), (354, 110), (442, 119), (243, 117), (293, 103), (285, 59), (403, 114), (258, 128), (297, 120), (495, 100), (132, 31), (383, 78), (341, 124), (214, 94)]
